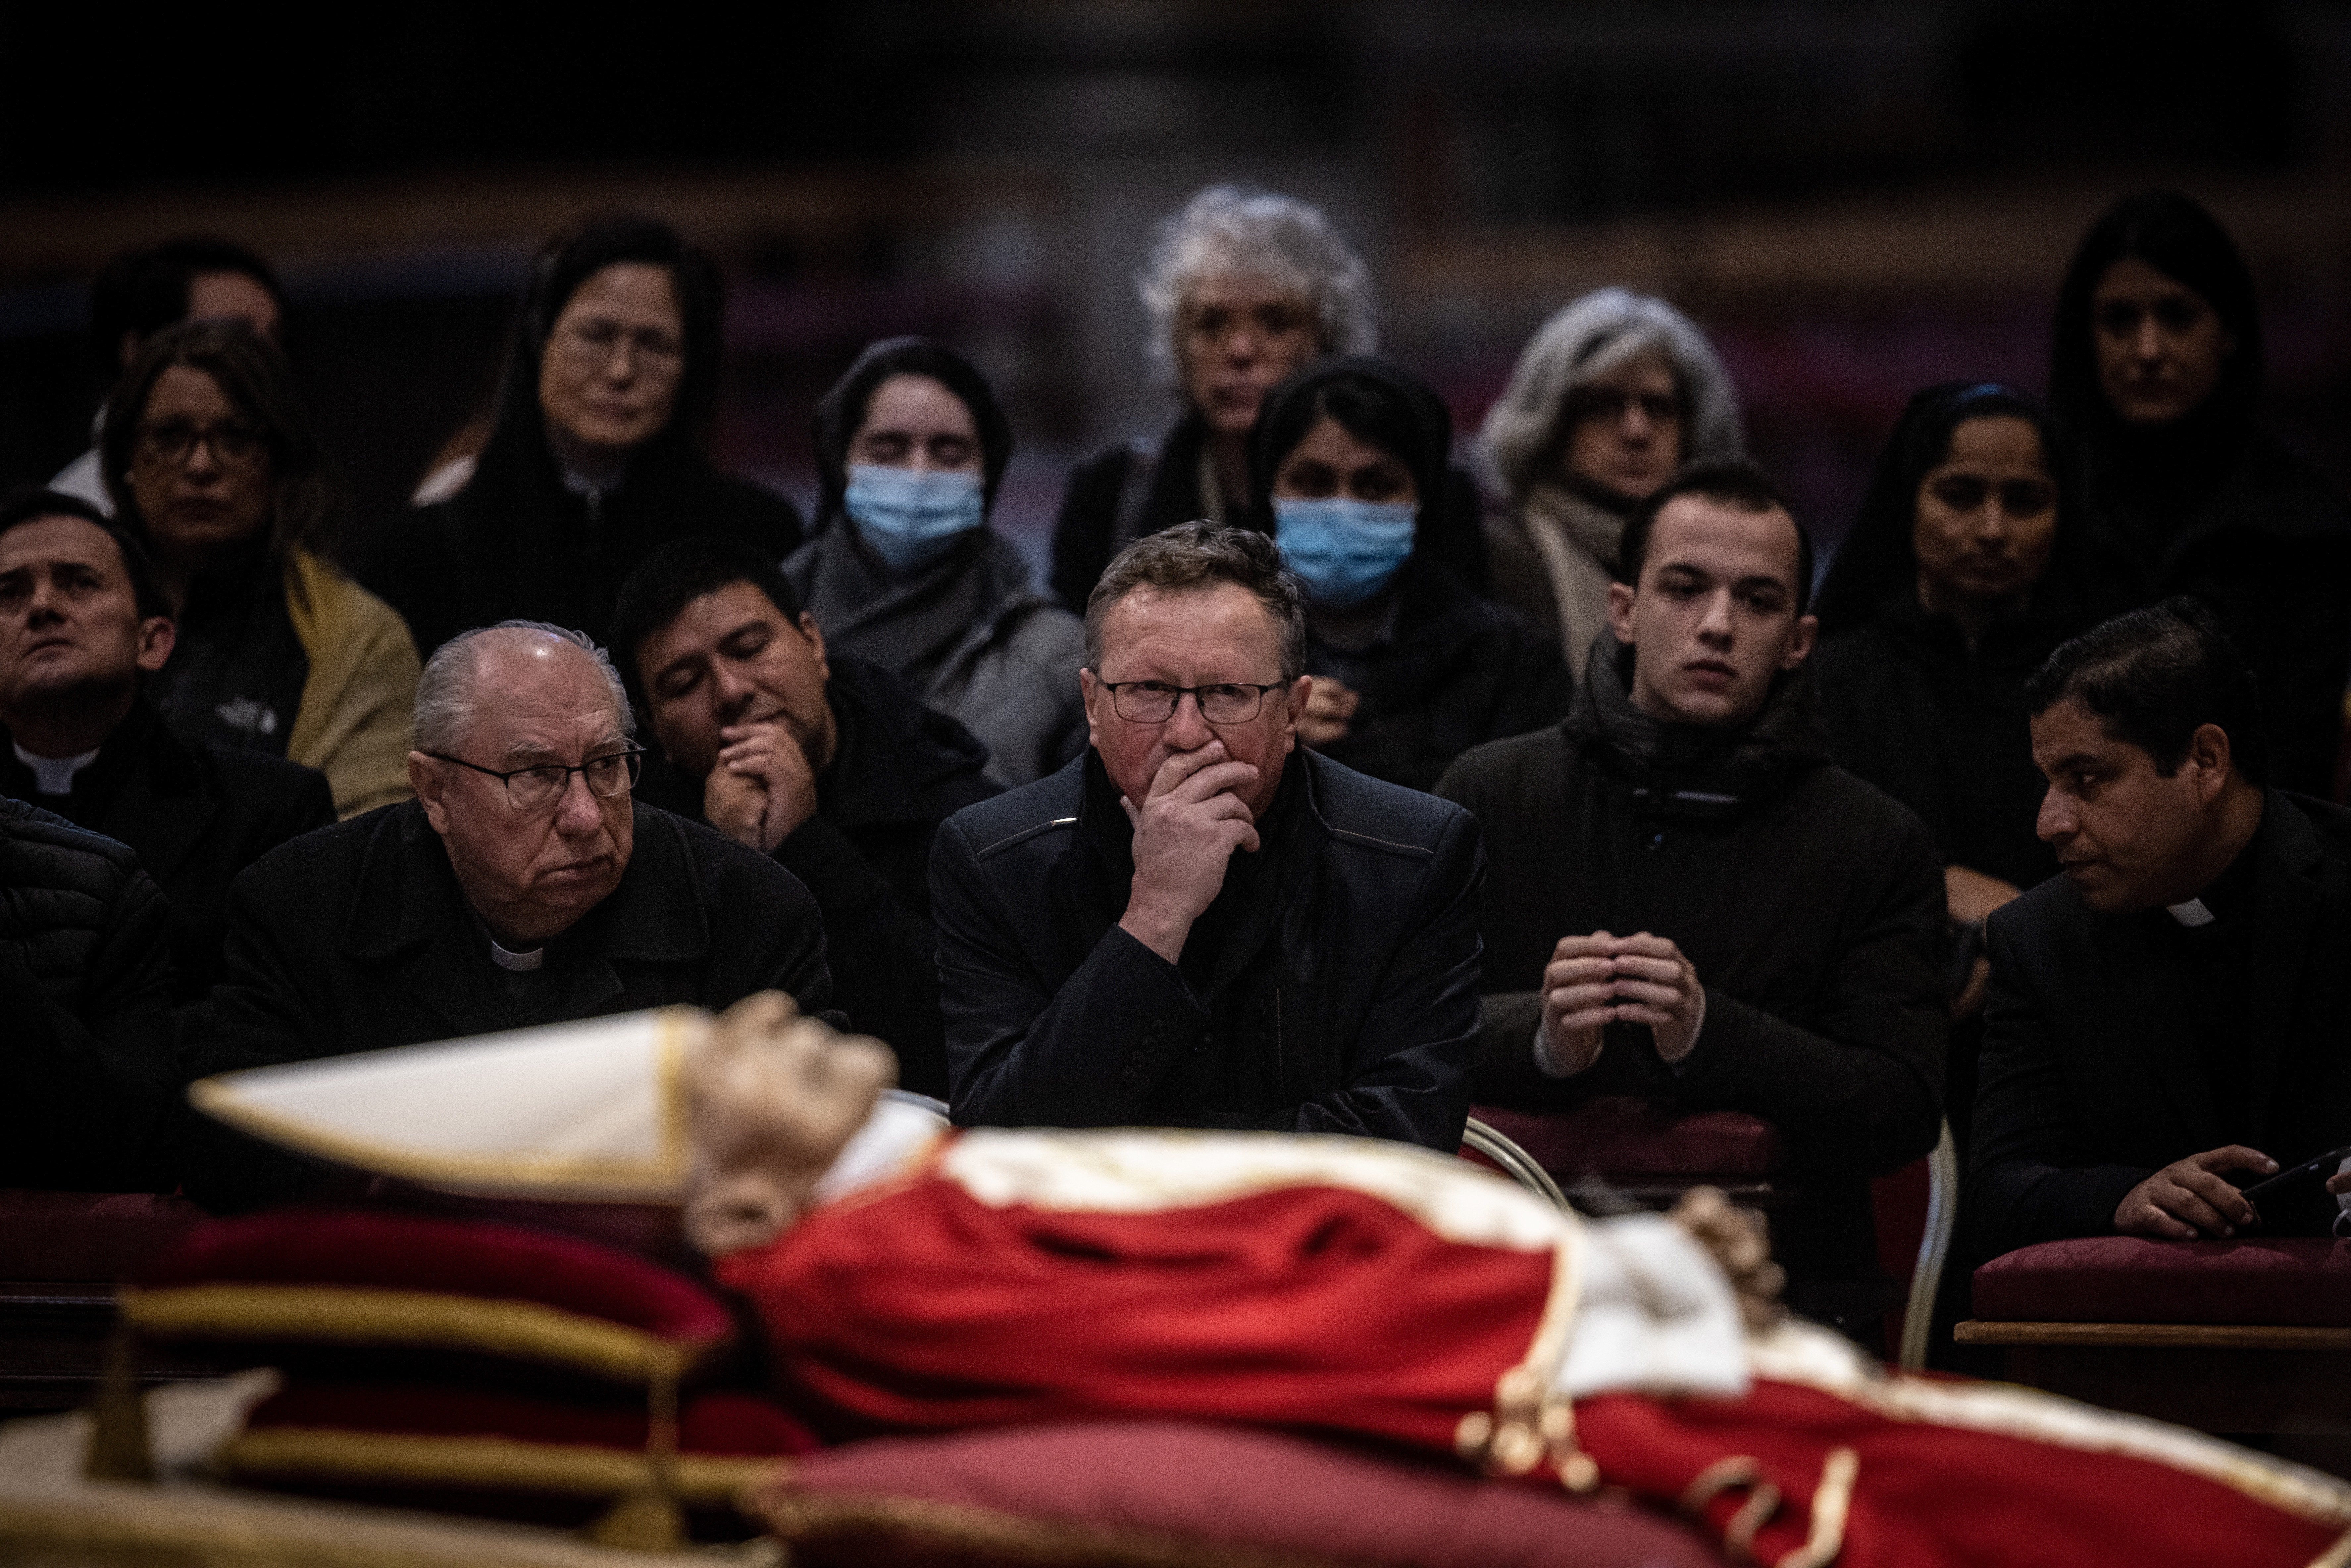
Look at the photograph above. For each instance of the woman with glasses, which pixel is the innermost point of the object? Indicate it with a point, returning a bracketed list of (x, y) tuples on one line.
[(1608, 398), (594, 456), (904, 570), (212, 462), (1410, 668)]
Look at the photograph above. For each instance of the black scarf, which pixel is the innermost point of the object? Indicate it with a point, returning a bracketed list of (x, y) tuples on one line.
[(1696, 770)]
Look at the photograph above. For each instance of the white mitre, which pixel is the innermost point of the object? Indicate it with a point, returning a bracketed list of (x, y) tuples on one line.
[(593, 1111)]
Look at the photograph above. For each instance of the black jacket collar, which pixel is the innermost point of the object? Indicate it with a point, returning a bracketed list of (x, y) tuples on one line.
[(407, 904), (890, 748), (1697, 770)]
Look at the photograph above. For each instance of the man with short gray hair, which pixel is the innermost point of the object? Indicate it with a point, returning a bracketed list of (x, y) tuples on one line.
[(1200, 923), (523, 885)]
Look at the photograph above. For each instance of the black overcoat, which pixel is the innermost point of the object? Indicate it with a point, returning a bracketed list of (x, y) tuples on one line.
[(1341, 996)]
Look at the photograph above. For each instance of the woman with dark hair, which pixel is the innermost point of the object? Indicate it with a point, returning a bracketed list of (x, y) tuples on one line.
[(1410, 669), (212, 463), (2155, 371), (1963, 571), (904, 570), (594, 456)]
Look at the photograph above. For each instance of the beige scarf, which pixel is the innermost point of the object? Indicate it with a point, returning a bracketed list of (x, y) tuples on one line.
[(1577, 541)]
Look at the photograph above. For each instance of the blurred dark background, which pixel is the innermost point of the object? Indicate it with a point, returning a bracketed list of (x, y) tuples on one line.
[(1855, 196)]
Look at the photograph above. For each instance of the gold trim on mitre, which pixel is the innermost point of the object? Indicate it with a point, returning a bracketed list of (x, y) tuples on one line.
[(660, 1178)]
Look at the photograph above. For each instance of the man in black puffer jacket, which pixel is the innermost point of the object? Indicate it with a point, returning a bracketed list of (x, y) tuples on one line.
[(87, 1065), (1691, 906)]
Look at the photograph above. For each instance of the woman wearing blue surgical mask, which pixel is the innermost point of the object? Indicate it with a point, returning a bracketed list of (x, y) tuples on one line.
[(1410, 669), (904, 570)]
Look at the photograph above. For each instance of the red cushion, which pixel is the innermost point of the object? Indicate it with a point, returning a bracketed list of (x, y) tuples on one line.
[(1619, 1136), (82, 1236), (388, 1249), (1170, 1494), (2292, 1282), (721, 1421)]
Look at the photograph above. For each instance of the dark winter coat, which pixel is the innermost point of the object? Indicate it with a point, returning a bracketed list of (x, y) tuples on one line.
[(517, 544), (2114, 1044), (1456, 672), (1942, 728), (1330, 989), (358, 938), (195, 813), (898, 772), (1809, 904), (86, 1057)]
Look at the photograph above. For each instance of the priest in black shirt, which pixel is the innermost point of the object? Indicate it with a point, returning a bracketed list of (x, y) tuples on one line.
[(81, 627), (833, 764), (2176, 1010)]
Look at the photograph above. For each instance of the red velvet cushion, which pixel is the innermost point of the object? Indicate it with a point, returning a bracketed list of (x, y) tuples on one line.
[(2295, 1281), (84, 1236), (721, 1421), (1173, 1496), (392, 1250), (1617, 1137)]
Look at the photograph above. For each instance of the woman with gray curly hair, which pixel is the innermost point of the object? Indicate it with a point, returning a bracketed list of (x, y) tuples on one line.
[(1608, 398), (1243, 287)]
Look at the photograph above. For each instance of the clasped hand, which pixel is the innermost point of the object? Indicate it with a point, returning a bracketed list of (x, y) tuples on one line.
[(1597, 980), (761, 789), (1184, 831)]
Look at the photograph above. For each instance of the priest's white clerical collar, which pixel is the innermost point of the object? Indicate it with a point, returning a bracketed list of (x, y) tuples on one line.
[(520, 963), (54, 775), (2191, 914)]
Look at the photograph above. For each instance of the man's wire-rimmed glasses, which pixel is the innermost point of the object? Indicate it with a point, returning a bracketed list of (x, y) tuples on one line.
[(1223, 702), (541, 785)]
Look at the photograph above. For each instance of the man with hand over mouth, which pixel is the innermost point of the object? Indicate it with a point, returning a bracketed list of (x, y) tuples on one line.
[(830, 764), (1199, 923), (1693, 906)]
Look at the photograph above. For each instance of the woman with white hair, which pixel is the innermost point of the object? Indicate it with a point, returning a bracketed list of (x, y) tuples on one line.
[(1608, 398), (1243, 287)]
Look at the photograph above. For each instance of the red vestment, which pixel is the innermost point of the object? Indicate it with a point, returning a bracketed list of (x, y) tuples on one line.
[(958, 1296)]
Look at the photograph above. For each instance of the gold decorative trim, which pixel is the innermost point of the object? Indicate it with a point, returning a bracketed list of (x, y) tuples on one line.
[(2339, 1554), (609, 1178), (1832, 1505), (1533, 1419), (334, 1314), (315, 1453)]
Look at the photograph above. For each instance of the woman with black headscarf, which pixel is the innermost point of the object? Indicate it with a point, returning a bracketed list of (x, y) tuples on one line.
[(2153, 371), (904, 570), (1963, 571), (1410, 668), (594, 456)]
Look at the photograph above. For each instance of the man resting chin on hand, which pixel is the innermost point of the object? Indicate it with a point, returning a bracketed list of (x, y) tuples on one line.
[(1199, 923), (832, 765)]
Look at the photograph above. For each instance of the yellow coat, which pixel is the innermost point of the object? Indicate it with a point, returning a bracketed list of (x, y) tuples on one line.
[(359, 701)]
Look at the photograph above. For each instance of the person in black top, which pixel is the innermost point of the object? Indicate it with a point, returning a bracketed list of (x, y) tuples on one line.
[(1966, 567), (831, 765), (2155, 369), (1243, 289), (81, 626), (594, 454), (525, 884), (1410, 668), (2172, 1009), (1197, 923), (1692, 906), (85, 985)]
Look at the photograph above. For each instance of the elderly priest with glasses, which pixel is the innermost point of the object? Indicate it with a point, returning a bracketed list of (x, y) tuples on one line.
[(523, 885), (1200, 923)]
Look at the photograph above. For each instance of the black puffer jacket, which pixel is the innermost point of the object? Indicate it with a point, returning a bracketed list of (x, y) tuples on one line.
[(86, 1063)]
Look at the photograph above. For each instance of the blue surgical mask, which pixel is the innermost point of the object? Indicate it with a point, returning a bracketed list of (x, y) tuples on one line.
[(1346, 550), (912, 518)]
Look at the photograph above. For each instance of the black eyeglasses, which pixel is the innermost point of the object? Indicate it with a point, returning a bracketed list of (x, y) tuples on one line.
[(233, 445), (536, 787), (1154, 702)]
